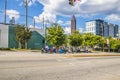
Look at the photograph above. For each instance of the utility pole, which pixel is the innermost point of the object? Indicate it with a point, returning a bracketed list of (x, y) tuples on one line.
[(26, 24), (5, 7), (26, 6), (44, 29), (43, 22)]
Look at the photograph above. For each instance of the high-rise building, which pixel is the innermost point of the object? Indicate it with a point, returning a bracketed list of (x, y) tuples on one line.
[(106, 29), (102, 28), (73, 24), (119, 33), (116, 31), (111, 30), (95, 27)]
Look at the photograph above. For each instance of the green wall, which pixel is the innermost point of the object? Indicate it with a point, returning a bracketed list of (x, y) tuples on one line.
[(36, 41), (12, 42)]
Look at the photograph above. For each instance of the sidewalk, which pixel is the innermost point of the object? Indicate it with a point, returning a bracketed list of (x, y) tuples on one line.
[(34, 54), (100, 54)]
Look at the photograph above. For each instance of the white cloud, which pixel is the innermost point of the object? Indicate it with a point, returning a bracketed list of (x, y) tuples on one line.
[(85, 8), (30, 2), (47, 17), (61, 7), (13, 13), (65, 24), (67, 30), (31, 26), (113, 17), (60, 22)]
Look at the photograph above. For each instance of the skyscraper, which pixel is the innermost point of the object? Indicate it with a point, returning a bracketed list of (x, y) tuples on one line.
[(73, 24)]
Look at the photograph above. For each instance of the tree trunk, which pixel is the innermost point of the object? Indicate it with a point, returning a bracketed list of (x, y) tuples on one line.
[(20, 45), (26, 44)]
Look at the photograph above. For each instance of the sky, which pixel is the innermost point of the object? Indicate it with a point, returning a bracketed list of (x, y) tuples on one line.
[(59, 11)]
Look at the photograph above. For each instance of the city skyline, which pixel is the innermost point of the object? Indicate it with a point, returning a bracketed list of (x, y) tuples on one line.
[(84, 11), (102, 28)]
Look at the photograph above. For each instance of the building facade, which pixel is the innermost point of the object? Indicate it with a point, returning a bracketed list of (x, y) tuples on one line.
[(73, 24), (111, 29), (119, 33), (4, 30), (116, 31), (102, 28)]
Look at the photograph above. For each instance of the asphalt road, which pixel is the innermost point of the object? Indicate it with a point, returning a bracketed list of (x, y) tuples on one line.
[(35, 66)]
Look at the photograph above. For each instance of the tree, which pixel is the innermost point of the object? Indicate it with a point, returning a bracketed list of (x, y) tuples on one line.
[(22, 35), (27, 35), (114, 44), (55, 35), (103, 43), (96, 41), (91, 40), (19, 32), (75, 39)]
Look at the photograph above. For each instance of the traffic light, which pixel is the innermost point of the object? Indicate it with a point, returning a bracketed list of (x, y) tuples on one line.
[(71, 2)]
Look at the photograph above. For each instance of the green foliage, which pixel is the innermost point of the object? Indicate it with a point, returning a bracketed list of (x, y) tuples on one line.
[(91, 40), (55, 35), (103, 42), (27, 35), (114, 44), (75, 39), (19, 32), (22, 35)]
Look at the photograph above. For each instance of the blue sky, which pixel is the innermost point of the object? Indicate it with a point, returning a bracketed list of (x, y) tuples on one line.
[(60, 11)]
